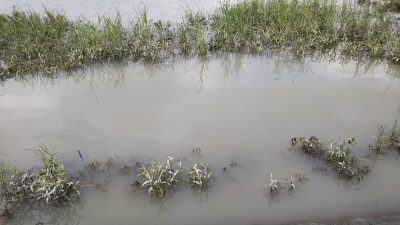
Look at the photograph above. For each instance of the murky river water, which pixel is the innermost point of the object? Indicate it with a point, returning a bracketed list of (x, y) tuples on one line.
[(245, 109)]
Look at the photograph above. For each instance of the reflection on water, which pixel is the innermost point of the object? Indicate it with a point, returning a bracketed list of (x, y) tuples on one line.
[(230, 64), (41, 215), (235, 108)]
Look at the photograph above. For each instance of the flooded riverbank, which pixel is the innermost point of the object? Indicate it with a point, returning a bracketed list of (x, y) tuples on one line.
[(242, 110), (48, 42)]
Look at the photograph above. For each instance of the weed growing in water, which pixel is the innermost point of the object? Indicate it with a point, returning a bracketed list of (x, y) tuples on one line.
[(384, 140), (196, 151), (199, 178), (48, 184), (275, 186), (310, 145), (338, 155), (158, 178), (341, 152)]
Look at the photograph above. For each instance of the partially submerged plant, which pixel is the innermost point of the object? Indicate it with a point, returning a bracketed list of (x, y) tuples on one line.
[(48, 184), (338, 155), (341, 152), (158, 178), (199, 178), (196, 151), (384, 140), (309, 145), (275, 186), (294, 180), (350, 171)]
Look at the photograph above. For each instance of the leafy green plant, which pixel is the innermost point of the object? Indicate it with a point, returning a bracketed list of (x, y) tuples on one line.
[(337, 155), (274, 186), (294, 180), (48, 184), (199, 176), (341, 152), (384, 140), (158, 178), (309, 145)]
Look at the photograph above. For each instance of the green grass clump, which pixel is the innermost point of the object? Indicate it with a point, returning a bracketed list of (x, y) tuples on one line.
[(159, 178), (149, 40), (199, 177), (341, 152), (305, 27), (34, 43), (48, 184), (310, 145), (338, 155), (387, 140), (192, 35), (274, 186)]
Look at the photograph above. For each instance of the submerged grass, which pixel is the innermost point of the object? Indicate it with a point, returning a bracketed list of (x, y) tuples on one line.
[(46, 43)]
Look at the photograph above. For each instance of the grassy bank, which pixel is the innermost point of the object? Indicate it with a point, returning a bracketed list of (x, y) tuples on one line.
[(50, 42)]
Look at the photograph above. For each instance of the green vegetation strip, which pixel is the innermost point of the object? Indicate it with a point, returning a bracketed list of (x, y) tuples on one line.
[(48, 185), (33, 43)]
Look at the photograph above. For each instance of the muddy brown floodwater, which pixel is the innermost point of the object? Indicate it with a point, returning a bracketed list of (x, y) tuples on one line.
[(242, 109)]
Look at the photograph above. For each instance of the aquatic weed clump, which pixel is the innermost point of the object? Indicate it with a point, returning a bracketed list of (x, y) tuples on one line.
[(310, 145), (47, 184), (387, 140), (199, 177), (50, 182), (158, 178), (274, 186), (341, 152), (344, 160), (338, 155)]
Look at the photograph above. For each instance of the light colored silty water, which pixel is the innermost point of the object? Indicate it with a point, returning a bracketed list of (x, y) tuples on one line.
[(242, 109)]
